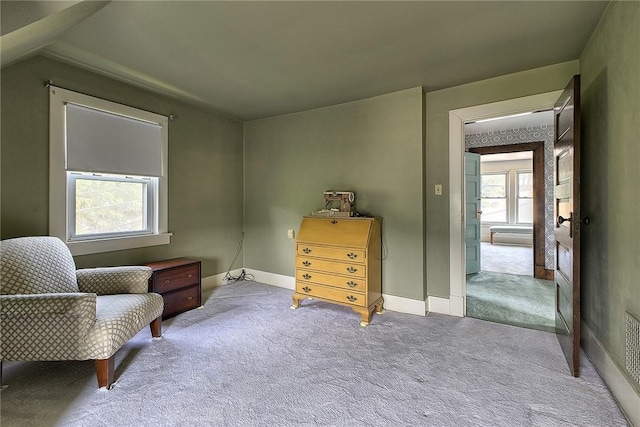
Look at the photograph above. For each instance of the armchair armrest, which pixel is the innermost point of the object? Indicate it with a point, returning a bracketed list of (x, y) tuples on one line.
[(114, 280), (45, 326), (69, 304)]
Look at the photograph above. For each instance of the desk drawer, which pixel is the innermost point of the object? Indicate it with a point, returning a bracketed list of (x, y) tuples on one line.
[(183, 300), (338, 254), (330, 293), (176, 278), (351, 283), (355, 270)]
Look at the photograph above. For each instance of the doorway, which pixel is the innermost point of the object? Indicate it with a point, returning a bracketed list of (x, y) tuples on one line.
[(504, 289), (457, 119)]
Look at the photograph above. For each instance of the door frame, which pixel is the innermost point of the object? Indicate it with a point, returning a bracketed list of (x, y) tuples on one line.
[(457, 120), (537, 147)]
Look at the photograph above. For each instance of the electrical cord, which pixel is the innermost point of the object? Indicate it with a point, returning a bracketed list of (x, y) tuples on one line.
[(228, 278)]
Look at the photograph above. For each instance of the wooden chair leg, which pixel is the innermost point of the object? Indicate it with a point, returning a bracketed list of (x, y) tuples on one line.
[(105, 371), (156, 327)]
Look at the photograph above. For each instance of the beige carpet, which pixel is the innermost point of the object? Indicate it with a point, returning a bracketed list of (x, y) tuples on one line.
[(510, 259)]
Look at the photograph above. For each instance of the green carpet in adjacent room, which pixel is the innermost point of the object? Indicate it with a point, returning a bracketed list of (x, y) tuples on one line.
[(511, 299)]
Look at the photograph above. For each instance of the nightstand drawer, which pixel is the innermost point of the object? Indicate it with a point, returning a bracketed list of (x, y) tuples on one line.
[(333, 294), (179, 301), (352, 283), (176, 278)]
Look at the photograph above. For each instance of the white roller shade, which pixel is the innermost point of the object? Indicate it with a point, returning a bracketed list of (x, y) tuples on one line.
[(97, 141)]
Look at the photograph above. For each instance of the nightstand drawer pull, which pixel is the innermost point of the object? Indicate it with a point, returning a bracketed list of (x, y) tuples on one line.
[(306, 289), (352, 284), (352, 255), (351, 269), (167, 281), (189, 276), (333, 221), (306, 276), (352, 298), (306, 250), (189, 298), (306, 263)]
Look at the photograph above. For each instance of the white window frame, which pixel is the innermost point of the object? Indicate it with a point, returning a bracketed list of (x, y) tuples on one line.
[(59, 195), (517, 194), (507, 187), (150, 220)]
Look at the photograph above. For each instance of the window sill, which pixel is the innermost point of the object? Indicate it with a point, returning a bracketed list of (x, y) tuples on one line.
[(117, 244)]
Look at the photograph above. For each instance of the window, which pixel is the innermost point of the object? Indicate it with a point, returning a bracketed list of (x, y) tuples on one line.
[(494, 197), (525, 198), (109, 205), (108, 174), (507, 196)]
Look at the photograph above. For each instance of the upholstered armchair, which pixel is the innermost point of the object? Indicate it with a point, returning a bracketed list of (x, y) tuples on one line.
[(49, 311)]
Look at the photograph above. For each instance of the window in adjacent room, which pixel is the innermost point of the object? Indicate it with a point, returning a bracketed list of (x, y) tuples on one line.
[(494, 197), (108, 174), (525, 198)]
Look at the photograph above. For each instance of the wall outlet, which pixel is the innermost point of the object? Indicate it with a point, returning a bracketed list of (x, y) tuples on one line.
[(438, 189), (291, 234)]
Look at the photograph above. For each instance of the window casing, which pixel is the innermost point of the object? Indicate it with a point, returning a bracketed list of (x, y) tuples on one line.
[(507, 197), (494, 194), (97, 201)]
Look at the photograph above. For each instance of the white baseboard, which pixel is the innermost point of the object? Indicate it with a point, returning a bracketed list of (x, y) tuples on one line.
[(437, 305), (621, 388), (279, 280), (404, 305), (218, 280)]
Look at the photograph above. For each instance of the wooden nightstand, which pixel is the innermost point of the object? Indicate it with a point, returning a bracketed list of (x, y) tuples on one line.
[(179, 282)]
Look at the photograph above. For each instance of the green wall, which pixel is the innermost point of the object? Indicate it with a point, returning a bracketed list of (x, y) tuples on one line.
[(610, 74), (438, 105), (205, 165), (373, 147)]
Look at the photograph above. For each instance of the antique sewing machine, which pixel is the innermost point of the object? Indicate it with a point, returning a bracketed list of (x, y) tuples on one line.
[(337, 203)]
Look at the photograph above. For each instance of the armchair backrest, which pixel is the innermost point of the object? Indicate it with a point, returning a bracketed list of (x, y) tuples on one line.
[(36, 265)]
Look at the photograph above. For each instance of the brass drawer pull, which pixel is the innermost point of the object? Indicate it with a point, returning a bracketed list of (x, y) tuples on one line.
[(352, 298), (189, 298), (352, 270), (352, 255), (352, 284), (306, 276), (166, 281), (333, 221), (306, 250), (306, 263), (189, 276), (306, 289)]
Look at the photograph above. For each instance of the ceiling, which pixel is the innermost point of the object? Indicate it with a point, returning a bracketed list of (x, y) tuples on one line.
[(517, 121), (251, 60)]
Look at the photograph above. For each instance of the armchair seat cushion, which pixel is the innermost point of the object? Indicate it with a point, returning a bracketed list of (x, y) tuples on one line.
[(118, 318)]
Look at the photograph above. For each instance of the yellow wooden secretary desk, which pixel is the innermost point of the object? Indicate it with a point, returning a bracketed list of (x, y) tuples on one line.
[(339, 260)]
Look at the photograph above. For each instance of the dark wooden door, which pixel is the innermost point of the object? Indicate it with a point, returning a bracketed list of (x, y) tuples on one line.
[(567, 229)]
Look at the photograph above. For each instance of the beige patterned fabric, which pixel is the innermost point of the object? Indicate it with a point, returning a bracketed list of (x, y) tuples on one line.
[(119, 317), (45, 326), (45, 315), (36, 265), (114, 280)]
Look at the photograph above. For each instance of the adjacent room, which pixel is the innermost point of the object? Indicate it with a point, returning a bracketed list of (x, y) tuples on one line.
[(319, 213), (503, 286)]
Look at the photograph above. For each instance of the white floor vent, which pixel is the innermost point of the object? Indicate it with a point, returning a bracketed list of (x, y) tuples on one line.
[(632, 327)]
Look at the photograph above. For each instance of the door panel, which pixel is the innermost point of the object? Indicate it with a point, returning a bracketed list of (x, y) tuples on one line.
[(567, 229), (472, 211)]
